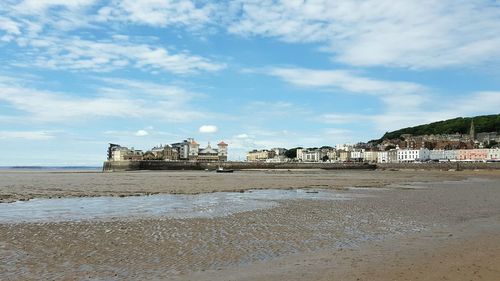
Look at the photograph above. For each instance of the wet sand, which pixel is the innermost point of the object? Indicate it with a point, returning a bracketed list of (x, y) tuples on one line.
[(468, 251), (25, 185), (428, 230)]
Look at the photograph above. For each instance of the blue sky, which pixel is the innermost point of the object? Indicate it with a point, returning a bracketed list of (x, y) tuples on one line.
[(77, 74)]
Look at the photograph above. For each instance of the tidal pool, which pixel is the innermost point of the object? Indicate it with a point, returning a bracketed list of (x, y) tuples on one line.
[(205, 205)]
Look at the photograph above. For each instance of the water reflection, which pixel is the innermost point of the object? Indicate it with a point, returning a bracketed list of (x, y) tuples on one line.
[(163, 205)]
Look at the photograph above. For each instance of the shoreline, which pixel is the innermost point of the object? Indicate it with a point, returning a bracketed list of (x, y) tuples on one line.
[(67, 184)]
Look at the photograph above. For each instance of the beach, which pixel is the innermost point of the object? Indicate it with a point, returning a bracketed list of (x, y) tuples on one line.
[(28, 184), (355, 225)]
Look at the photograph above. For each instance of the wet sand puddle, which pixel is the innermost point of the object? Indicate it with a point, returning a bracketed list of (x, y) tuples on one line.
[(163, 236), (209, 205)]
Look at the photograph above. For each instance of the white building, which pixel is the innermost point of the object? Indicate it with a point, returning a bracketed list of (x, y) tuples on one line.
[(190, 150), (357, 155), (451, 155), (183, 149), (390, 156), (306, 155), (345, 147), (412, 155), (443, 155), (121, 153), (278, 159), (493, 154), (383, 157), (279, 151), (437, 155), (332, 155)]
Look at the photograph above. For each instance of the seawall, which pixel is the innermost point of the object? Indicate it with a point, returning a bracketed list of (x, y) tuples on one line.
[(442, 166), (111, 166)]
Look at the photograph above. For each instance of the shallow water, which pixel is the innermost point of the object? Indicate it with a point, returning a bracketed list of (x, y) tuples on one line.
[(206, 205)]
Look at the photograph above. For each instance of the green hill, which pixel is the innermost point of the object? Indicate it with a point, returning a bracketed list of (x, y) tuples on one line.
[(485, 123)]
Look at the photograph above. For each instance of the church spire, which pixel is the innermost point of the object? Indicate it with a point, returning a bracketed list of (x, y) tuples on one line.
[(472, 131)]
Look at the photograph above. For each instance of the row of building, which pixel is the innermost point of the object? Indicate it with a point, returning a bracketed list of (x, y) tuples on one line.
[(423, 154), (187, 150), (351, 154), (406, 148), (444, 141)]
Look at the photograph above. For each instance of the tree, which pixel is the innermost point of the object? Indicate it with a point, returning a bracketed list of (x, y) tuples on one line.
[(325, 158), (485, 123), (292, 153)]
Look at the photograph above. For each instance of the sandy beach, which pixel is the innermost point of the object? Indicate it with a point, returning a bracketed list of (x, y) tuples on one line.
[(395, 225), (24, 185)]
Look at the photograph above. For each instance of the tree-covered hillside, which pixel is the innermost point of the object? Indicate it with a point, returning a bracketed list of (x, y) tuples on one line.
[(485, 123)]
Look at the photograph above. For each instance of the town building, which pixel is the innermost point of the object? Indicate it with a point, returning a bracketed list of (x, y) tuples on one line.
[(344, 156), (357, 155), (412, 155), (187, 150), (437, 155), (260, 155), (443, 155), (332, 154), (190, 150), (207, 154), (162, 152), (279, 155), (389, 156), (346, 147), (309, 155), (488, 138), (493, 154), (279, 151), (370, 156), (451, 155), (472, 154), (121, 153), (392, 155), (183, 148)]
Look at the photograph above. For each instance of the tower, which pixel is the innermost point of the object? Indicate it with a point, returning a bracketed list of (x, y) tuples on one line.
[(194, 148), (222, 152), (472, 131)]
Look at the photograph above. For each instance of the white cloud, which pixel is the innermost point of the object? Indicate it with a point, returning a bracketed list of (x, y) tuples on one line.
[(131, 99), (77, 54), (158, 13), (412, 113), (336, 118), (38, 6), (412, 33), (141, 133), (45, 30), (344, 80), (397, 96), (27, 135), (9, 26), (206, 129)]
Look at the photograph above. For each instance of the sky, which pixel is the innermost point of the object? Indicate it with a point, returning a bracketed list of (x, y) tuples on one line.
[(76, 75)]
